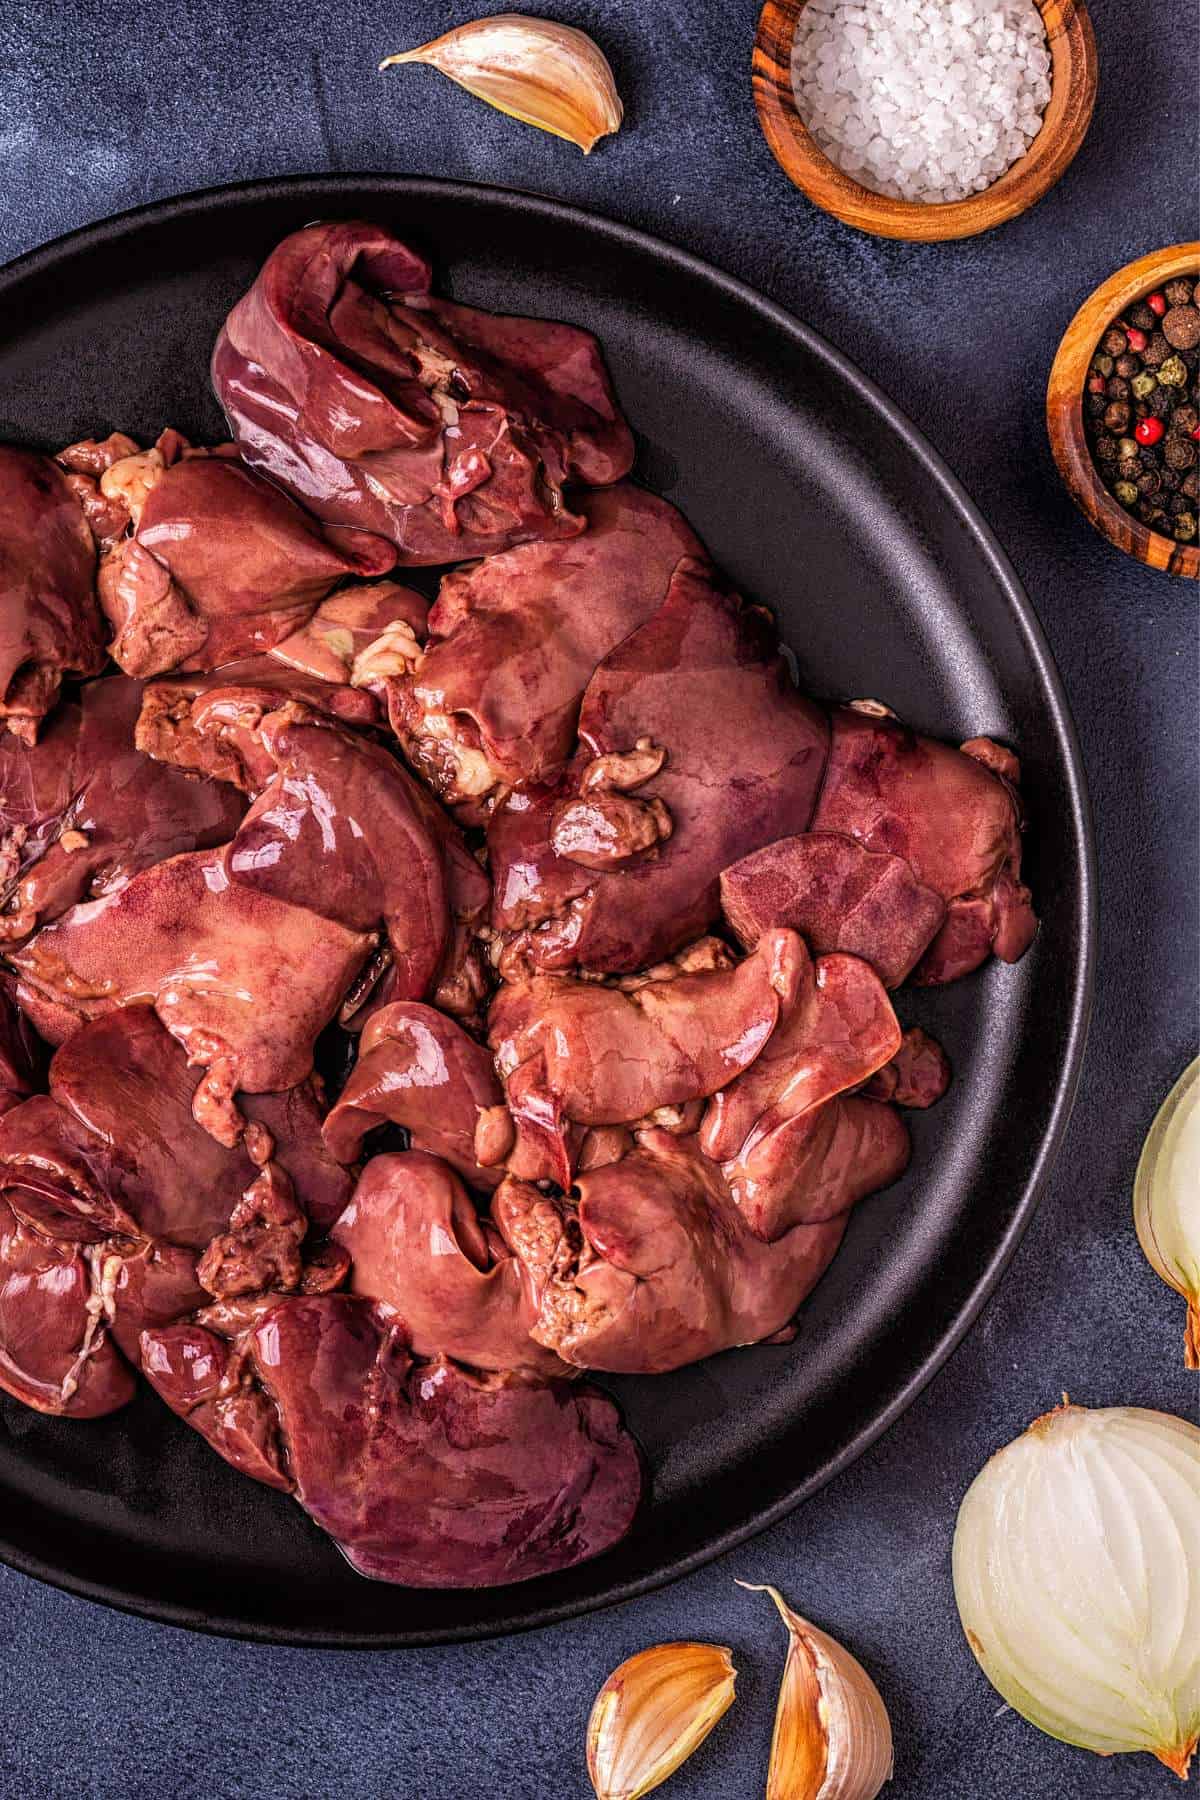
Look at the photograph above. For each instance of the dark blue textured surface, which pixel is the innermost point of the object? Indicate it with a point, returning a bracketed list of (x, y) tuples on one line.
[(101, 108)]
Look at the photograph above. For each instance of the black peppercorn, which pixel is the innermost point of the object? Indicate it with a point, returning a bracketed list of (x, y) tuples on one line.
[(1149, 482), (1190, 485), (1127, 365), (1178, 291), (1178, 503), (1129, 468), (1114, 342), (1095, 404), (1117, 388), (1106, 449), (1156, 351), (1142, 316), (1179, 452), (1186, 419), (1158, 404), (1116, 415)]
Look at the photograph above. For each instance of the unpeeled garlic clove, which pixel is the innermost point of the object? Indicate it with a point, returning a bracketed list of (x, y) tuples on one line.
[(832, 1737), (536, 70), (653, 1712)]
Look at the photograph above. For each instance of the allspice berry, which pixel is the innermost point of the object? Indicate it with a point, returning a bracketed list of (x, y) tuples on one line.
[(1181, 327)]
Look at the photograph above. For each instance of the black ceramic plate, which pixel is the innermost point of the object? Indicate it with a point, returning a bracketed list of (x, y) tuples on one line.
[(821, 500)]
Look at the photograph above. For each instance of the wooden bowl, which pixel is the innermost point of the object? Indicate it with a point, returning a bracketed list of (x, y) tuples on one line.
[(1064, 410), (1073, 77)]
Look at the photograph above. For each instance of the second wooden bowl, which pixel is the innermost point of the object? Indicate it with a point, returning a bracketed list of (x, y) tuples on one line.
[(1073, 79), (1064, 409)]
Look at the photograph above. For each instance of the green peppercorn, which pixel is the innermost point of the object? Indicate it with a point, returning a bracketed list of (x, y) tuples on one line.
[(1128, 449), (1126, 492), (1173, 373), (1185, 527), (1103, 365), (1143, 384)]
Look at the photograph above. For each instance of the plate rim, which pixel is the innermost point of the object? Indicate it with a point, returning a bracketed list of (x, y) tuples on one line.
[(41, 260)]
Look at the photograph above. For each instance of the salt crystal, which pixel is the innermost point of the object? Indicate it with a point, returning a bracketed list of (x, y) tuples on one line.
[(924, 99)]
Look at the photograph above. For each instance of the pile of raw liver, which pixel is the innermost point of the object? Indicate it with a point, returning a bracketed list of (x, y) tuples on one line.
[(587, 915)]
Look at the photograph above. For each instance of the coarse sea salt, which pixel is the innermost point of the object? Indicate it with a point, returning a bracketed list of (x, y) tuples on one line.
[(926, 100)]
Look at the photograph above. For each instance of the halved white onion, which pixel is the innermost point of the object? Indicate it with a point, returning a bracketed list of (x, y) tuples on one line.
[(1166, 1200), (1077, 1576)]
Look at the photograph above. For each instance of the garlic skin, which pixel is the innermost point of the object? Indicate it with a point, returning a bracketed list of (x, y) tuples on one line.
[(536, 70), (1076, 1564), (651, 1714), (832, 1737), (1166, 1200)]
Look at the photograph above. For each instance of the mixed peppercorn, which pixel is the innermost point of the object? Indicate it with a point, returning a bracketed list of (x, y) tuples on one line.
[(1142, 409)]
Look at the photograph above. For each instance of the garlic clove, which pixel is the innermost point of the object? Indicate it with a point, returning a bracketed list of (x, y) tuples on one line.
[(1166, 1200), (536, 70), (832, 1737), (653, 1712)]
